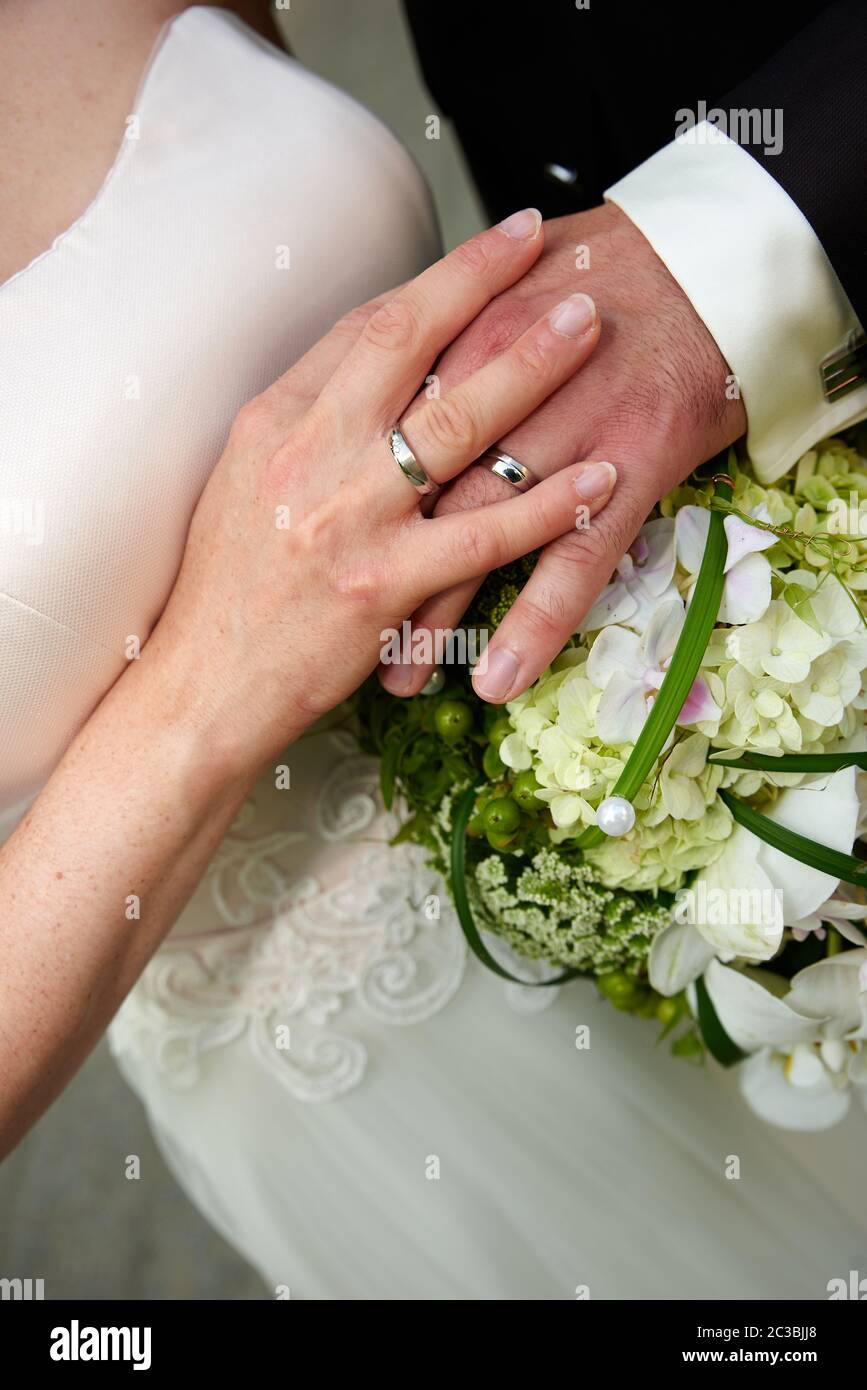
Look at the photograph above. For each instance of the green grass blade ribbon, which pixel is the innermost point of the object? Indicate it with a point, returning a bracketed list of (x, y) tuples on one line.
[(462, 812), (791, 762), (821, 857), (716, 1039), (698, 625)]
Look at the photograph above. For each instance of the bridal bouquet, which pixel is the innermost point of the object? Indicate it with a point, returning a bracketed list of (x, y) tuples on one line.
[(673, 808)]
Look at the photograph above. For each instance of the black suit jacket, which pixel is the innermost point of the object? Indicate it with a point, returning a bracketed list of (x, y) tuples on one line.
[(543, 93)]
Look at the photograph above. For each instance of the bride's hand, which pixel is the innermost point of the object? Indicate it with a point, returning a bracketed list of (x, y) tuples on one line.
[(309, 542)]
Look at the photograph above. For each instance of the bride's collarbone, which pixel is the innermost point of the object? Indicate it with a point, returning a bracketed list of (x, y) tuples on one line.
[(66, 100)]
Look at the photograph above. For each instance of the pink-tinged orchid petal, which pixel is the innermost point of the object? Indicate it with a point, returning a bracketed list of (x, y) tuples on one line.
[(625, 567), (639, 550), (699, 704), (747, 591), (690, 529), (839, 913), (656, 569), (663, 630), (622, 710), (644, 578), (615, 649), (614, 605), (647, 604), (744, 539)]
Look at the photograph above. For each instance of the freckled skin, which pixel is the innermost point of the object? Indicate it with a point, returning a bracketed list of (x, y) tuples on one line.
[(68, 79)]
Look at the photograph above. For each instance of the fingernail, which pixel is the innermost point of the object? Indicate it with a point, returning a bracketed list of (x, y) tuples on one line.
[(574, 317), (595, 481), (499, 676), (399, 678), (522, 226)]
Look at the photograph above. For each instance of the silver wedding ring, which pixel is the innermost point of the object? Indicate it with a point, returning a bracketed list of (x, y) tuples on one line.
[(509, 469), (409, 464)]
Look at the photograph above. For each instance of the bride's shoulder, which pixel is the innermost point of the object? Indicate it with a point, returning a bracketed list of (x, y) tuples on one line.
[(261, 87)]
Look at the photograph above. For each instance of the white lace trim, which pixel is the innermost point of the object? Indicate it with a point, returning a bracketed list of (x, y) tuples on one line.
[(288, 957)]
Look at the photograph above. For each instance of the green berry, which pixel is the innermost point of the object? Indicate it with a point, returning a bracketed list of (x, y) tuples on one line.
[(493, 765), (500, 729), (502, 816), (453, 719), (524, 790), (620, 990), (689, 1045), (667, 1011), (498, 841)]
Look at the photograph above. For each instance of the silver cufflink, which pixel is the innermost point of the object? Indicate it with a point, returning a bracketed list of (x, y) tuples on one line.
[(846, 369)]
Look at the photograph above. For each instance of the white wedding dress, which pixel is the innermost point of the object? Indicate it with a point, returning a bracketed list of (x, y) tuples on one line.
[(428, 1132)]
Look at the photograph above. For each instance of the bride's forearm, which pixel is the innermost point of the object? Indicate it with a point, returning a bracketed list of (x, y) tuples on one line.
[(99, 870)]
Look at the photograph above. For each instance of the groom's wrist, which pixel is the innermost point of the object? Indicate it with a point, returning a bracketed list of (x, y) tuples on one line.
[(761, 283)]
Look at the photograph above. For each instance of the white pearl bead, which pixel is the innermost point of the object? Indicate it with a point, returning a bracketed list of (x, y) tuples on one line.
[(436, 682), (615, 815)]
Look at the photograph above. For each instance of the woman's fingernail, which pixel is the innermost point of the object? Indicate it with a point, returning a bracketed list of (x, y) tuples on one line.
[(574, 317), (522, 226), (501, 668), (596, 480)]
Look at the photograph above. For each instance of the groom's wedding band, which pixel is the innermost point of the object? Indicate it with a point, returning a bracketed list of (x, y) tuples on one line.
[(409, 464), (509, 469)]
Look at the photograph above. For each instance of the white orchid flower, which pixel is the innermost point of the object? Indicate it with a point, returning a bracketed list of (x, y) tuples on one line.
[(737, 905), (644, 578), (808, 1047), (747, 586), (629, 670), (835, 912)]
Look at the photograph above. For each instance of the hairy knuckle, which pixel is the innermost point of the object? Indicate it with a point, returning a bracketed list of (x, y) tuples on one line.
[(475, 487), (545, 612), (394, 326), (583, 550)]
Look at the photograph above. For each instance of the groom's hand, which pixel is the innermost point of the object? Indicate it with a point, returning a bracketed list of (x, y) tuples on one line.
[(656, 399)]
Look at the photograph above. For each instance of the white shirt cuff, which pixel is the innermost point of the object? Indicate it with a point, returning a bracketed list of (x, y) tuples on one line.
[(757, 275)]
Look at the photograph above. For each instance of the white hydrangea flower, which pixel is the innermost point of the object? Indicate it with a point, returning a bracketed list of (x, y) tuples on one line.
[(831, 685), (780, 644)]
